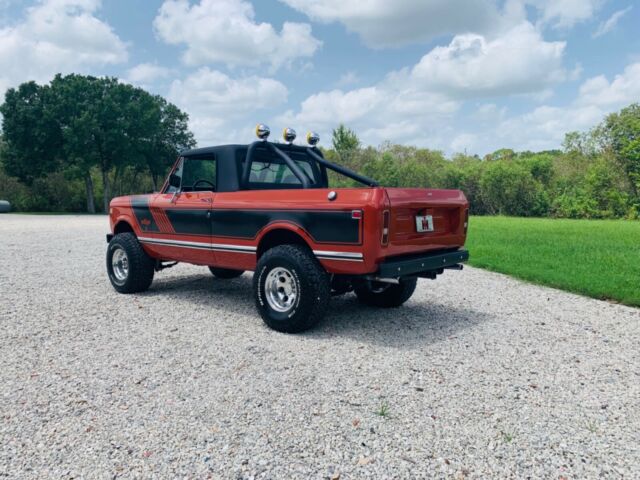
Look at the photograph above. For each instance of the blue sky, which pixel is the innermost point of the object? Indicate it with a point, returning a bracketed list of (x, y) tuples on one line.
[(453, 75)]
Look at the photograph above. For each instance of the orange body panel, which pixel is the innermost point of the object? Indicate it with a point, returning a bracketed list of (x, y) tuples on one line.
[(226, 229)]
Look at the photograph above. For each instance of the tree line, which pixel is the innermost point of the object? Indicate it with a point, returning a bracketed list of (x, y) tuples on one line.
[(596, 174), (78, 139)]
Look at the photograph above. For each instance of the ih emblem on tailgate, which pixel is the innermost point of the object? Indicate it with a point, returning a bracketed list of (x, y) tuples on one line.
[(424, 223)]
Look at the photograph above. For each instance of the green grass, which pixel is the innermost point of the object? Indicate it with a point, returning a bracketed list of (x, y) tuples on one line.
[(383, 411), (598, 258)]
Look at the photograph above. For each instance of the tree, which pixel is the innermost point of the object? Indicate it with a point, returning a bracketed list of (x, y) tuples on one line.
[(31, 134), (345, 142), (79, 124), (169, 135), (621, 133)]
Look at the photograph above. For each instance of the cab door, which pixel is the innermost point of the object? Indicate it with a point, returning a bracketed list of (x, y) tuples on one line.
[(184, 213)]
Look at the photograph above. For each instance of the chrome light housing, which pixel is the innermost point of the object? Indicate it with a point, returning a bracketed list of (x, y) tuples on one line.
[(313, 138), (262, 131), (289, 135)]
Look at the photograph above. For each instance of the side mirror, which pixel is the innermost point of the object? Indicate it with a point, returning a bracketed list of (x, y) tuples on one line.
[(175, 181)]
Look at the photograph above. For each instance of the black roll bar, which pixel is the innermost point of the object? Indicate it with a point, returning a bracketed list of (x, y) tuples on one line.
[(297, 171), (300, 174), (317, 156)]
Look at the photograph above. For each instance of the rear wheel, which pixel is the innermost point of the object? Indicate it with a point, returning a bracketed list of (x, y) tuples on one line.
[(130, 269), (291, 289), (386, 295), (225, 273)]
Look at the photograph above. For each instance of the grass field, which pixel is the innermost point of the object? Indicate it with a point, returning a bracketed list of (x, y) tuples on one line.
[(598, 258)]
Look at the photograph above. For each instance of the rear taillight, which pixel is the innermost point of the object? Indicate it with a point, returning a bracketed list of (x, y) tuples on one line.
[(386, 216), (466, 220)]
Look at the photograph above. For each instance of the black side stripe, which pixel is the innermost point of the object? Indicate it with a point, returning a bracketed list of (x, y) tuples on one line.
[(323, 226), (142, 212)]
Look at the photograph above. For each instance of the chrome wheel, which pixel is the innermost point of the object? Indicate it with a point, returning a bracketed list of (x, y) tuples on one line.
[(120, 265), (281, 289)]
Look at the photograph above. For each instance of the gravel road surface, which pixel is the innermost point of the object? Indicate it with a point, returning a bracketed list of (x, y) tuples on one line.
[(478, 376)]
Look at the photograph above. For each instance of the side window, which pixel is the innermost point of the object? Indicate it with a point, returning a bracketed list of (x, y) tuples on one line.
[(199, 175), (278, 173)]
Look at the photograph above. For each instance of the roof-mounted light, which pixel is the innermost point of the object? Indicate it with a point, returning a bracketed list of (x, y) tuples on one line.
[(313, 138), (289, 135), (262, 131)]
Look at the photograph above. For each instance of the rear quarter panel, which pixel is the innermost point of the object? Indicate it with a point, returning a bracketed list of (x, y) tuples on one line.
[(310, 214)]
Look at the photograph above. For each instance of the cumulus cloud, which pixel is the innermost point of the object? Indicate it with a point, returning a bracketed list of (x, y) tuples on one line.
[(609, 24), (146, 73), (383, 23), (519, 61), (412, 104), (57, 36), (565, 13), (623, 89), (544, 127), (225, 31), (215, 101), (393, 109)]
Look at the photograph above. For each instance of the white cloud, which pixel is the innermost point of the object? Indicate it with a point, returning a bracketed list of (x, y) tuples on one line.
[(544, 127), (623, 89), (57, 36), (225, 31), (519, 61), (146, 73), (215, 101), (609, 24), (348, 78), (383, 23), (565, 13), (489, 113), (392, 109), (412, 105), (465, 142)]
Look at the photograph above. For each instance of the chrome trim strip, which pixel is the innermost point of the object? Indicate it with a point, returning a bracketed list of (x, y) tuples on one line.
[(341, 255), (199, 245), (222, 247), (233, 247)]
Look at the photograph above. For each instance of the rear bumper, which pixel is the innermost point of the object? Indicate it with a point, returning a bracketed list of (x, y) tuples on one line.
[(417, 264)]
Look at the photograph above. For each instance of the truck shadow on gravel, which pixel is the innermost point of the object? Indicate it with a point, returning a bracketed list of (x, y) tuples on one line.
[(415, 324)]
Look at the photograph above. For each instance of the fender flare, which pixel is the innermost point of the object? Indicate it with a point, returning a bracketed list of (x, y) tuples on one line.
[(287, 228)]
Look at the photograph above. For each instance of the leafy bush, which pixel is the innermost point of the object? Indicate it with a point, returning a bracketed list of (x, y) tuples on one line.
[(597, 175), (509, 189)]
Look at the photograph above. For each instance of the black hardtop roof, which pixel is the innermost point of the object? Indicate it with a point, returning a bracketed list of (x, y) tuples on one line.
[(223, 150), (229, 162)]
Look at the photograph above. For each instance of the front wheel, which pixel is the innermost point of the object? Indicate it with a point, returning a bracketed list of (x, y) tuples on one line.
[(291, 288), (130, 269), (386, 295)]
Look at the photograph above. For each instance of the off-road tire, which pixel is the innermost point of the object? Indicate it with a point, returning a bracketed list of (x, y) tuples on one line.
[(141, 266), (225, 273), (390, 296), (311, 282)]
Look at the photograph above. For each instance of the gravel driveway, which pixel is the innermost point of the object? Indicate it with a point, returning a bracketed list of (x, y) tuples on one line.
[(478, 375)]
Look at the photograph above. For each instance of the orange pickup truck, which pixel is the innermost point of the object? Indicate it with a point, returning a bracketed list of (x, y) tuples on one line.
[(268, 208)]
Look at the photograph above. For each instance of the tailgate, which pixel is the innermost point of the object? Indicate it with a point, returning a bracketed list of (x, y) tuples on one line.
[(425, 219)]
